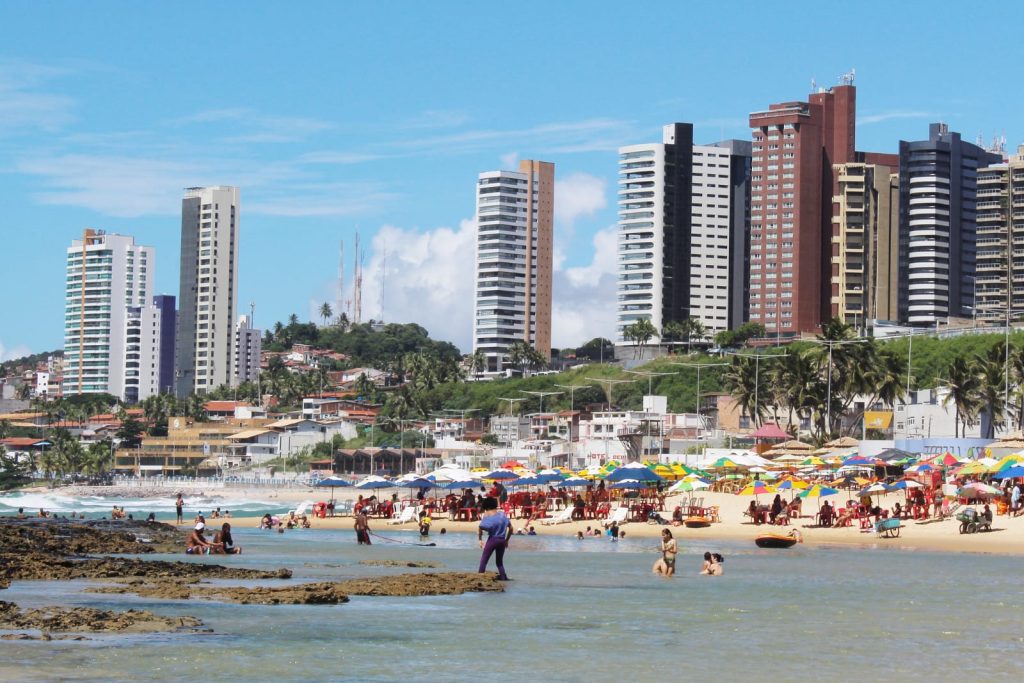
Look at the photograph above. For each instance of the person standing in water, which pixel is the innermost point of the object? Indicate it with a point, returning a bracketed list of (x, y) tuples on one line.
[(498, 529), (362, 527), (666, 565), (179, 507)]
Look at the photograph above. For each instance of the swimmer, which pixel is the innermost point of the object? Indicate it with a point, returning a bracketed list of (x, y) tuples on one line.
[(666, 565)]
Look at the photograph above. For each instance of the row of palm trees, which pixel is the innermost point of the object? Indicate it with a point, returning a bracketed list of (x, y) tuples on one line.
[(830, 382), (67, 456)]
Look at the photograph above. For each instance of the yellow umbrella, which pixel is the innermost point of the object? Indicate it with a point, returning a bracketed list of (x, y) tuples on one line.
[(973, 467), (814, 461), (1008, 461), (755, 489)]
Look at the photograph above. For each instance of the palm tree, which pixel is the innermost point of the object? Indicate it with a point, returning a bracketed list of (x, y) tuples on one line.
[(740, 378), (641, 331), (478, 362), (991, 390), (326, 312), (963, 383)]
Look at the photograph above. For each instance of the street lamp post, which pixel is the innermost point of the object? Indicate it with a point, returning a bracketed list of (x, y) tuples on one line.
[(542, 394), (608, 385), (757, 374), (831, 343)]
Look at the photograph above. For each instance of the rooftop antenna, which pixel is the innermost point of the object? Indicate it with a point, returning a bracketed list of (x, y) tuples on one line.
[(357, 284), (383, 276), (814, 85), (340, 294), (848, 77)]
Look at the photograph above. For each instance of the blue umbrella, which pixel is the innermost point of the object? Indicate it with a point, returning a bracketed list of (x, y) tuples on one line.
[(1011, 472), (630, 484), (634, 470), (419, 484), (529, 481), (500, 474), (334, 482), (904, 484), (471, 484), (375, 482), (572, 482)]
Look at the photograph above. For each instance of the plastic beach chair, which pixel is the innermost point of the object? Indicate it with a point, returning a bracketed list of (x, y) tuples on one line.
[(563, 516), (408, 515)]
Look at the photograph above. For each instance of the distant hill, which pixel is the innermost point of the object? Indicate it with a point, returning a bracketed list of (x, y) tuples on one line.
[(17, 365)]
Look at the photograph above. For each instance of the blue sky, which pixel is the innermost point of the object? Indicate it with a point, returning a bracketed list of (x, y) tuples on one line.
[(334, 117)]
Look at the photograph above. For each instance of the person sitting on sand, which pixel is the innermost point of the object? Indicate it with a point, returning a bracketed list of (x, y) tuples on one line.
[(677, 516), (666, 564), (223, 544), (196, 544)]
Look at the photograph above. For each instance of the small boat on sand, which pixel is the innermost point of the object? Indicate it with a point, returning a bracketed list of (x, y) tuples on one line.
[(775, 541), (697, 522)]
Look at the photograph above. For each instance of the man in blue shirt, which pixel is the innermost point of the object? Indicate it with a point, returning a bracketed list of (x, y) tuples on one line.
[(499, 529)]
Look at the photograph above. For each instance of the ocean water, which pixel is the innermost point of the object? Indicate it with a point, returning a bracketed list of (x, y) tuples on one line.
[(576, 611), (95, 507)]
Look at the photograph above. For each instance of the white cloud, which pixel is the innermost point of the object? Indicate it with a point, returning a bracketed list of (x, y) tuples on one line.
[(509, 161), (428, 279), (566, 137), (324, 199), (584, 296), (882, 117), (22, 103), (578, 195), (257, 127), (339, 158), (13, 352)]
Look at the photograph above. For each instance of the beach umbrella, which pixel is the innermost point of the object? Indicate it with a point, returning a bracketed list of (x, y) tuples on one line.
[(575, 482), (792, 485), (755, 489), (945, 460), (921, 467), (1008, 461), (860, 460), (500, 474), (876, 489), (688, 486), (631, 484), (418, 483), (904, 484), (464, 484), (1011, 472), (848, 482), (818, 491), (333, 483), (528, 481), (375, 481), (634, 470), (814, 461), (972, 468), (977, 489)]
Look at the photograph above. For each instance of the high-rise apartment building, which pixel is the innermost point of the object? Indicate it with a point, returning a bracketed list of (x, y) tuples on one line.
[(515, 233), (795, 146), (865, 239), (938, 194), (683, 220), (655, 182), (208, 294), (108, 277), (143, 334), (248, 344), (168, 314), (998, 289)]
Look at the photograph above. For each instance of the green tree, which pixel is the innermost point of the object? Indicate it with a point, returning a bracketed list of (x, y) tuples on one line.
[(130, 432), (326, 312), (641, 332), (992, 389), (964, 386), (12, 472)]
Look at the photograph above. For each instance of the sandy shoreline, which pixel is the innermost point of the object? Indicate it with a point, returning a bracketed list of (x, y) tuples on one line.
[(1007, 538)]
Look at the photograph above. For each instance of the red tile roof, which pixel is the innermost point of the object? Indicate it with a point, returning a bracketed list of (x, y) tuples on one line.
[(222, 406), (22, 442)]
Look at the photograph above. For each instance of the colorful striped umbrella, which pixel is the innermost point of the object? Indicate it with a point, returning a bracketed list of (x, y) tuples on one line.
[(756, 489), (818, 491)]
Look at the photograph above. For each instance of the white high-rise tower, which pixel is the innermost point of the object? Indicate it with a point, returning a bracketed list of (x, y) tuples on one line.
[(208, 299)]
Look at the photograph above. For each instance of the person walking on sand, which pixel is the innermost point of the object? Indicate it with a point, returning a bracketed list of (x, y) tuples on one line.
[(666, 565), (362, 527), (498, 529), (179, 507)]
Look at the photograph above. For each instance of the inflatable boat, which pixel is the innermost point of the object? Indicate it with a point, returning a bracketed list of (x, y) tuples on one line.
[(775, 541), (697, 522)]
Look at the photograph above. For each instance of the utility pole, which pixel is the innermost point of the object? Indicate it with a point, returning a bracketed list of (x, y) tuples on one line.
[(572, 405), (542, 394), (608, 385), (832, 343), (650, 378), (699, 366), (510, 402)]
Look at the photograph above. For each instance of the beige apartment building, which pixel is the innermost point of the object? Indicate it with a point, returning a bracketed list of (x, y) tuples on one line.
[(865, 244), (999, 285)]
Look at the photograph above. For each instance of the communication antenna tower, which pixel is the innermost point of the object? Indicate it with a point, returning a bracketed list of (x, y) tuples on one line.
[(357, 286), (339, 298), (848, 77), (383, 276)]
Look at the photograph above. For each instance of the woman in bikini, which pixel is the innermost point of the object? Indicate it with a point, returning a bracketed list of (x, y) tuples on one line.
[(666, 566)]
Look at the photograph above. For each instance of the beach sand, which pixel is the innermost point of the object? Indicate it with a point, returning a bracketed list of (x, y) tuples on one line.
[(1007, 537)]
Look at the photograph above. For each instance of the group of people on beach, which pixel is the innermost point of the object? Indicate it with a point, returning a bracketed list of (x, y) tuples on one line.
[(666, 564), (222, 543)]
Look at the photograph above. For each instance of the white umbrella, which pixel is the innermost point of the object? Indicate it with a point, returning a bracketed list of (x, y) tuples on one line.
[(688, 485), (450, 473)]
